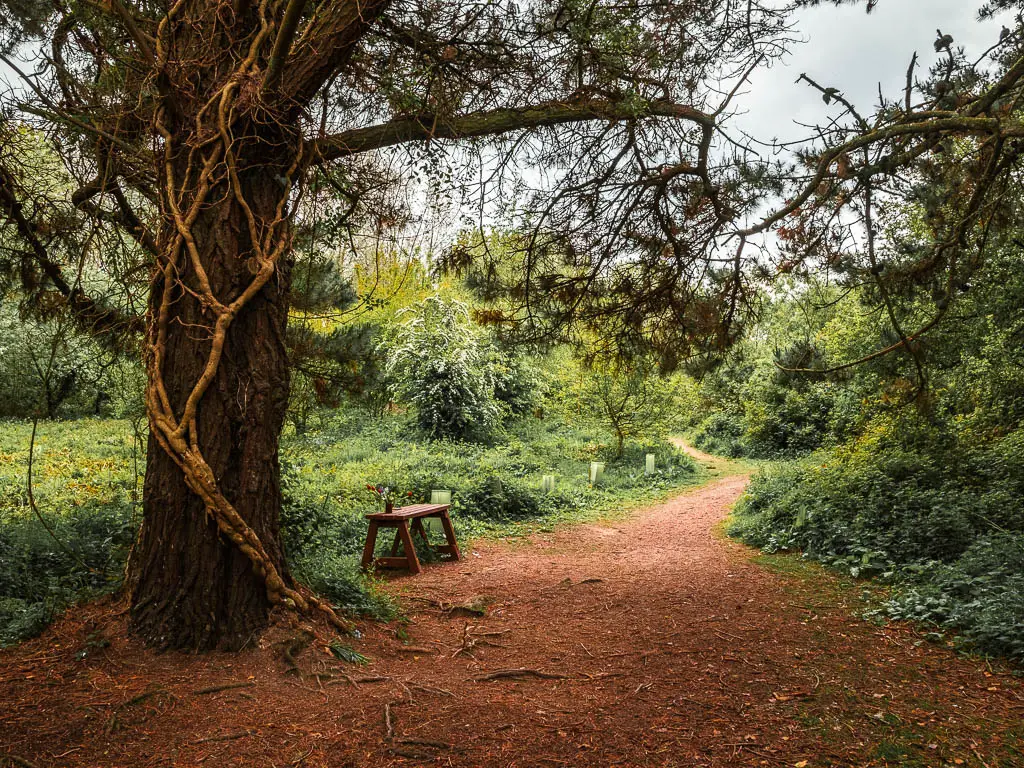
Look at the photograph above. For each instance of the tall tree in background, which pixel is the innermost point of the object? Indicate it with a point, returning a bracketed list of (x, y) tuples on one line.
[(909, 199)]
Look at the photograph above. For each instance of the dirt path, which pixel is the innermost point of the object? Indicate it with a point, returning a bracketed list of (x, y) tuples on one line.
[(705, 458), (666, 646)]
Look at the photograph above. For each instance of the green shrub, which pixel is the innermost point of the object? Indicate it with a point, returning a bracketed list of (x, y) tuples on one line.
[(516, 381), (20, 619), (722, 433), (323, 548), (980, 595), (778, 421), (783, 421), (339, 578), (436, 361), (940, 520), (492, 497), (39, 576)]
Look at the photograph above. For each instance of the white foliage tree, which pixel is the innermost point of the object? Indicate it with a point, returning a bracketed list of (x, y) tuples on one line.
[(437, 362)]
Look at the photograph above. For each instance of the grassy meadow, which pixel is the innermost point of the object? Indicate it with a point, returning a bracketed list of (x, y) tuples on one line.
[(87, 484)]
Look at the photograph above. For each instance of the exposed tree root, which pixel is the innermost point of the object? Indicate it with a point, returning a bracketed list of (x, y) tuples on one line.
[(399, 745), (471, 639), (355, 681), (429, 689), (292, 647), (141, 698), (114, 721)]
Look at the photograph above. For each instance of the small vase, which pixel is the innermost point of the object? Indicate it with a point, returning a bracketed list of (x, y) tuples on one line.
[(389, 507)]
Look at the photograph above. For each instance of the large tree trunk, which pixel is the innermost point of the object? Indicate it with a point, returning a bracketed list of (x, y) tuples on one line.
[(192, 586)]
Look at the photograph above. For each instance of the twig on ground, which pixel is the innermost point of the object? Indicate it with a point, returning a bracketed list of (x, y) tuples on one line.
[(320, 691), (141, 697), (302, 758), (225, 687), (395, 744), (424, 743), (226, 736), (431, 689), (355, 681), (471, 639), (114, 722), (521, 672), (722, 635), (602, 675), (389, 726)]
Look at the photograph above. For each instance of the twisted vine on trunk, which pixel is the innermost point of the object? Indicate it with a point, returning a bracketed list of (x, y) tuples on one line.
[(217, 377)]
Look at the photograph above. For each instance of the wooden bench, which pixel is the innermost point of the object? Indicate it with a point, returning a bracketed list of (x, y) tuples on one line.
[(400, 519)]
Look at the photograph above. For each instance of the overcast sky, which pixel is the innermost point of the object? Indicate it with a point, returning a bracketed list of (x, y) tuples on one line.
[(854, 51)]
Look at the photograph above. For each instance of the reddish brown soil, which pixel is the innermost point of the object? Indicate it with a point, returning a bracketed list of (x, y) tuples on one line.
[(677, 650)]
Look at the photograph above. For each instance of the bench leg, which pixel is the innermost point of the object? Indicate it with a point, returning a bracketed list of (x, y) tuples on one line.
[(417, 527), (410, 549), (449, 533), (371, 542), (396, 544)]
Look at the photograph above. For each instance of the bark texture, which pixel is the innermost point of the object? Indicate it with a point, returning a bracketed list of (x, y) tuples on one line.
[(193, 587)]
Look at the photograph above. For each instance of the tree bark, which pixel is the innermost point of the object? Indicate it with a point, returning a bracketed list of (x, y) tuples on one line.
[(191, 587)]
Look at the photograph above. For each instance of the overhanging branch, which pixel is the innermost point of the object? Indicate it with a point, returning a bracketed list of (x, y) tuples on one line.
[(94, 317), (494, 122), (125, 217)]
